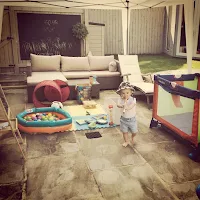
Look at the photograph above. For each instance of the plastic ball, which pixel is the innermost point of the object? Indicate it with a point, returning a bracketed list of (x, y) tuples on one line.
[(49, 114), (34, 118), (43, 117), (33, 115), (51, 118), (28, 118)]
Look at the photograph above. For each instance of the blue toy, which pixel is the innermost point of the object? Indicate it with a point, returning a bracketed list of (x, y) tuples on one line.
[(198, 191)]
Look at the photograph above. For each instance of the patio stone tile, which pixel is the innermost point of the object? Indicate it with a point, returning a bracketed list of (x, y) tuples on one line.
[(170, 160), (103, 153), (85, 197), (55, 144), (185, 191), (131, 183), (144, 135), (16, 100), (12, 163), (152, 135), (11, 191), (60, 177)]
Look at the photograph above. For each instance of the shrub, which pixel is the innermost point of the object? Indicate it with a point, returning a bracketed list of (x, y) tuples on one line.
[(79, 31)]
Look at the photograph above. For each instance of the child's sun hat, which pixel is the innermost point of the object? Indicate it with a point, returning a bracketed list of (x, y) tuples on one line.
[(123, 86)]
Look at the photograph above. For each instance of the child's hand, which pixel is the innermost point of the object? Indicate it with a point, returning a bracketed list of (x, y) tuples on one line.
[(120, 106)]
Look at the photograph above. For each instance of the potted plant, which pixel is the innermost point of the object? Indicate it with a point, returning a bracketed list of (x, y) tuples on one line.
[(79, 31)]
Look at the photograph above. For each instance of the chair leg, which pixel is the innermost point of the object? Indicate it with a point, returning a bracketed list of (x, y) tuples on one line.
[(148, 102)]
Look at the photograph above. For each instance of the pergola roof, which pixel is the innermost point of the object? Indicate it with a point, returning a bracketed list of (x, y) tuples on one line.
[(124, 5), (94, 4)]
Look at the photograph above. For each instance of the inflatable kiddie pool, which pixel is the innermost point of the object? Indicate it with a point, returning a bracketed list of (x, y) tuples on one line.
[(44, 120)]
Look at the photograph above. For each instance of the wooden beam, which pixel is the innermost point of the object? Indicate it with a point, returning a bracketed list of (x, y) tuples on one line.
[(1, 19)]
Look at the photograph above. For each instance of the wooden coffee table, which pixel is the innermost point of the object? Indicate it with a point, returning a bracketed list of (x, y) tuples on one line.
[(73, 93)]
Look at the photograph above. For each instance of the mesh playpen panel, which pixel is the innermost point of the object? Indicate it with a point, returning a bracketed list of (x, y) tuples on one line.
[(176, 104)]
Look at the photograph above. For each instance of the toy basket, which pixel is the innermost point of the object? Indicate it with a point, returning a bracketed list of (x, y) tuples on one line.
[(89, 104)]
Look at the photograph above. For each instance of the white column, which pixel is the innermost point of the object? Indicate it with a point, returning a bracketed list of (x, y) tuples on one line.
[(1, 18), (189, 11), (196, 25), (124, 29)]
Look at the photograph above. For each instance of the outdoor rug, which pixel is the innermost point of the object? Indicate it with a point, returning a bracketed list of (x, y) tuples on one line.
[(80, 114)]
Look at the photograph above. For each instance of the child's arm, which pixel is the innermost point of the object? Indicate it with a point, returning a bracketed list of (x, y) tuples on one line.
[(119, 104), (129, 107)]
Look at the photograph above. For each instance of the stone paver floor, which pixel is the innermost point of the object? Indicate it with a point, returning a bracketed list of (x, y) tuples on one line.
[(69, 166)]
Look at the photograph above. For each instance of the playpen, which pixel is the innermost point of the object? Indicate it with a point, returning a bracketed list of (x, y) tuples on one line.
[(176, 105)]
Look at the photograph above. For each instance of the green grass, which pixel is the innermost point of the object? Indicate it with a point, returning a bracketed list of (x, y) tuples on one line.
[(163, 62)]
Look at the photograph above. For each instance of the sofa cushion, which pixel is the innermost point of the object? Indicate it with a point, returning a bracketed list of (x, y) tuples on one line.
[(100, 62), (77, 74), (45, 63), (104, 73), (37, 77), (74, 64)]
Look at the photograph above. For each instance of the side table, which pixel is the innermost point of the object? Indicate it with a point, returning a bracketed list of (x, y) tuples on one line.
[(72, 84)]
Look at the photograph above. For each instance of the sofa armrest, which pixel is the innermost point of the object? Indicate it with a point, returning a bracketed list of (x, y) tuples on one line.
[(23, 68), (29, 69)]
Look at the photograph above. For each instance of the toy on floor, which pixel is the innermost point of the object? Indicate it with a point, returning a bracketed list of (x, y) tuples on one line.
[(111, 114), (83, 93), (44, 120), (41, 117), (89, 104), (92, 125), (198, 191), (51, 90), (57, 104), (93, 121)]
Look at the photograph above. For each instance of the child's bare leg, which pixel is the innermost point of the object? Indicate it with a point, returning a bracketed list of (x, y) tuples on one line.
[(132, 137), (125, 144)]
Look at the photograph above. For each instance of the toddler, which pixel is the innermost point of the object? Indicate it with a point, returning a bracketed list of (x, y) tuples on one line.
[(127, 104)]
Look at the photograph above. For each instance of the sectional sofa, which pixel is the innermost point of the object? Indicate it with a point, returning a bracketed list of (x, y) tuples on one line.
[(69, 68)]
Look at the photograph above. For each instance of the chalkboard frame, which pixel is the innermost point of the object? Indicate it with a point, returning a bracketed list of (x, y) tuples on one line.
[(14, 28)]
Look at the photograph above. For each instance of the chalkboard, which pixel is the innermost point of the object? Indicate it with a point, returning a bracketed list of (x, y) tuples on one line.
[(47, 34)]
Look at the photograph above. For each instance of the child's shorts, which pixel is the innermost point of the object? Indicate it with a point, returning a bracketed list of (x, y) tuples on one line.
[(128, 124)]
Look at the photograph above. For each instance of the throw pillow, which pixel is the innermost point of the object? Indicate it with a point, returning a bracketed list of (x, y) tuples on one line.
[(74, 64), (45, 63), (99, 63), (89, 53), (112, 66)]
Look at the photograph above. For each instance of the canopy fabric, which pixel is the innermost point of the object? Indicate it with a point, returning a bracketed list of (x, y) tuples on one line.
[(95, 4), (124, 5)]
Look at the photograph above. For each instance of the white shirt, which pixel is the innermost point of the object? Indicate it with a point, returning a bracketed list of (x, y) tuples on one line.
[(128, 113)]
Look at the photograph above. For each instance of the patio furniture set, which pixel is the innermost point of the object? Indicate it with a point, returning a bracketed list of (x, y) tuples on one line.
[(73, 71), (77, 70)]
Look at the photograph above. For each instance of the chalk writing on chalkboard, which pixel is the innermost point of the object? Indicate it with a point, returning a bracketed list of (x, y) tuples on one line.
[(47, 34), (50, 47)]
